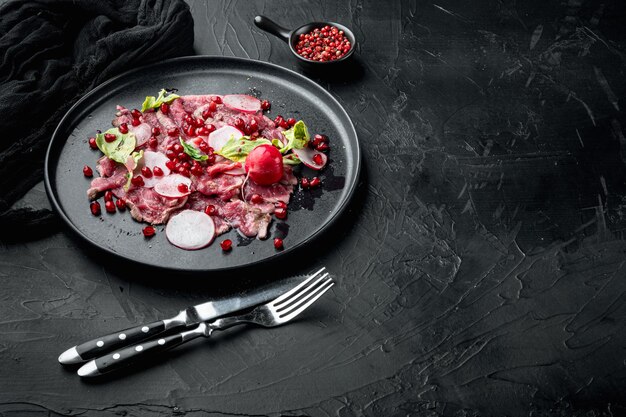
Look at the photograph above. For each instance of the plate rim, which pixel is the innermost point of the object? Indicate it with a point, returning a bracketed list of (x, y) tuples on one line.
[(87, 96)]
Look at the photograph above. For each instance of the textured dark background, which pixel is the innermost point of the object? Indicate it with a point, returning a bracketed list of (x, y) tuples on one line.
[(481, 269)]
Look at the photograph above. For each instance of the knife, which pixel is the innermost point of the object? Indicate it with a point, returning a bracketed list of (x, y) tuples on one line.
[(187, 317)]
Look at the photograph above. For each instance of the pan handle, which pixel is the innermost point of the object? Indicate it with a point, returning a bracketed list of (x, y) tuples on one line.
[(272, 27)]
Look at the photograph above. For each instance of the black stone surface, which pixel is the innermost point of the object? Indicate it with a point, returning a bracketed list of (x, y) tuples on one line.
[(481, 269)]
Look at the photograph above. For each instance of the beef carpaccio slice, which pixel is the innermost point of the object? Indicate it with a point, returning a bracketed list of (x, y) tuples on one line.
[(220, 184)]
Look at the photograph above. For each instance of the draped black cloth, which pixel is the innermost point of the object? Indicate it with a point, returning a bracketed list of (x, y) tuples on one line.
[(52, 52)]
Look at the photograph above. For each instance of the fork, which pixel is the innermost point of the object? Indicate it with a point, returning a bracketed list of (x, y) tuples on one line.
[(274, 313)]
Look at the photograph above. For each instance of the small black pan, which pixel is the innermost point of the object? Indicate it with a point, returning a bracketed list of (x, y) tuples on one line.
[(291, 37)]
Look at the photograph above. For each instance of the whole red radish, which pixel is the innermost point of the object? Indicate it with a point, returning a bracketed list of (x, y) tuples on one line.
[(264, 164)]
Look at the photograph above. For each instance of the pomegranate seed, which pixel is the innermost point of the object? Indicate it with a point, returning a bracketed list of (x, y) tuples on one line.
[(315, 182), (278, 120), (278, 243), (178, 148), (183, 188), (256, 199), (211, 128), (137, 181), (322, 147), (87, 171), (210, 210), (203, 131), (171, 165), (190, 131), (95, 208), (156, 131), (149, 231), (317, 139), (121, 204), (158, 172), (153, 142), (291, 121), (165, 108), (109, 137), (135, 113), (184, 172), (226, 245), (280, 213), (284, 124), (172, 132), (198, 122), (266, 105), (304, 182), (204, 147), (92, 143), (252, 127), (109, 206), (240, 124), (197, 171), (281, 204), (171, 154), (186, 165), (216, 99), (123, 128), (212, 107), (108, 196), (135, 122), (206, 113), (211, 158), (188, 118), (146, 172), (317, 159)]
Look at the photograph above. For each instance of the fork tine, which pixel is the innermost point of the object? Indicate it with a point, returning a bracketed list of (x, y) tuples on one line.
[(297, 296), (297, 288), (307, 302)]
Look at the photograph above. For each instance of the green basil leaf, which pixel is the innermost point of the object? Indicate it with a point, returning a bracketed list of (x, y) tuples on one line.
[(192, 151), (152, 102), (237, 149), (120, 148)]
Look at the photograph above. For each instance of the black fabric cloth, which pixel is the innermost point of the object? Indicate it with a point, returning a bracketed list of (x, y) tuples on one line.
[(52, 53)]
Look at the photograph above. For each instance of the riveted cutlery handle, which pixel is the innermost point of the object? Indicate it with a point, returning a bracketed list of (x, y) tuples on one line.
[(272, 27), (114, 341)]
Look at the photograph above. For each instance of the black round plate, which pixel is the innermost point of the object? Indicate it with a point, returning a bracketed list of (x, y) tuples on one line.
[(291, 95)]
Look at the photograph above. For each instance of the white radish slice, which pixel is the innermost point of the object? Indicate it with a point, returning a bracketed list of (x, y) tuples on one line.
[(242, 103), (219, 137), (168, 186), (306, 156), (190, 230), (154, 159), (142, 133)]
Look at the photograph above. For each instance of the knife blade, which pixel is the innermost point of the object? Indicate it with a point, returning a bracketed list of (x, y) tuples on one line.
[(187, 317)]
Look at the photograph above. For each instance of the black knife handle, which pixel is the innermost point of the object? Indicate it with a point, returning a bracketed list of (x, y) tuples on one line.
[(114, 341), (130, 354)]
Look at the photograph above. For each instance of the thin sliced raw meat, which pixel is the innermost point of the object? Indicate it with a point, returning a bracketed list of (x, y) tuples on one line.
[(102, 184), (148, 206), (190, 230), (249, 220), (154, 159), (224, 167), (219, 137), (105, 166), (169, 186), (223, 186), (242, 102)]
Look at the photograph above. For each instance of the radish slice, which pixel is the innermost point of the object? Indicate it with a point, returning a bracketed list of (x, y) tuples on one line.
[(142, 133), (155, 159), (190, 230), (242, 103), (168, 186), (219, 137), (306, 156)]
